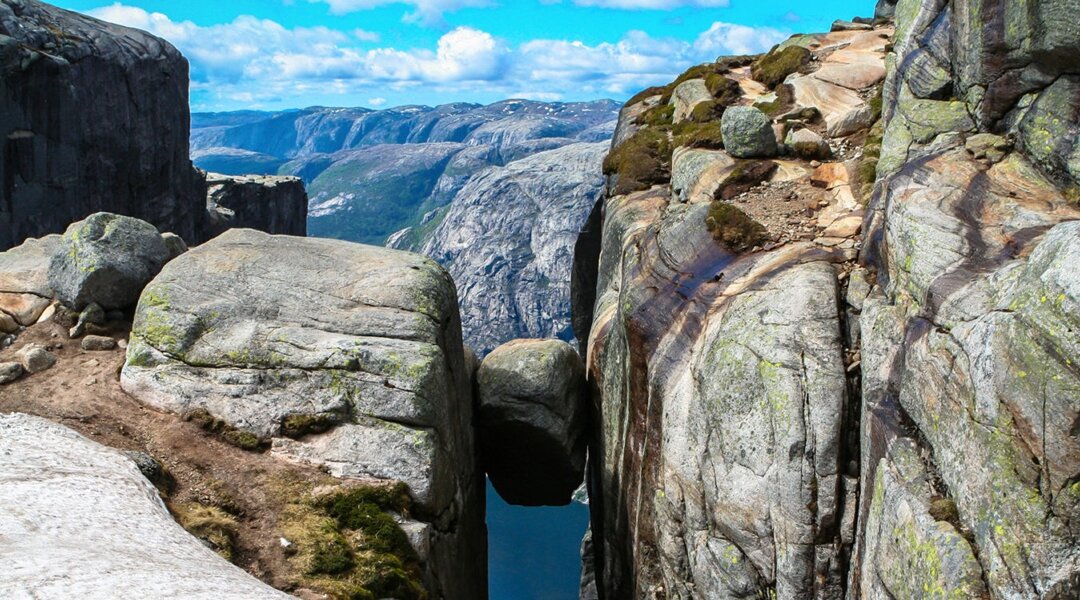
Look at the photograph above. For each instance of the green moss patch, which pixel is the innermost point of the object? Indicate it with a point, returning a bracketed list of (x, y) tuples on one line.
[(725, 90), (345, 542), (640, 162), (773, 68), (215, 527), (241, 439), (747, 174), (692, 134), (733, 228), (297, 426), (784, 101), (657, 116), (866, 171)]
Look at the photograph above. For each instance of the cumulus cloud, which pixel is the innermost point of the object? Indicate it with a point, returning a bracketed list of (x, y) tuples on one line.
[(253, 60), (425, 12)]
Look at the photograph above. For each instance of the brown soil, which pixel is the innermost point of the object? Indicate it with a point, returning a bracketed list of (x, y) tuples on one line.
[(82, 391)]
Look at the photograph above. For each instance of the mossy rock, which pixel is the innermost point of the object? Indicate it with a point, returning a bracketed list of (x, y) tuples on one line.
[(298, 426), (647, 93), (657, 116), (347, 544), (726, 91), (747, 174), (772, 69), (705, 112), (782, 103), (215, 527), (640, 162), (944, 509), (237, 437), (733, 228), (690, 134)]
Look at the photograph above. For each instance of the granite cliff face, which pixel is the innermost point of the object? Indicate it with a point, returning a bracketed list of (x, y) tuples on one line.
[(847, 375), (507, 239), (95, 117)]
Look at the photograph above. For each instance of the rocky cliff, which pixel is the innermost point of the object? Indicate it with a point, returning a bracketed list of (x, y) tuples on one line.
[(95, 117), (831, 345), (507, 238)]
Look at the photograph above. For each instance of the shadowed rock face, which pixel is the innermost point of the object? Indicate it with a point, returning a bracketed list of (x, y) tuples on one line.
[(266, 331), (953, 341), (270, 204), (68, 501), (532, 413), (93, 117)]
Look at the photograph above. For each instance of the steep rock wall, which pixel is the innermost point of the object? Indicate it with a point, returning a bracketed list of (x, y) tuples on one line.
[(94, 117)]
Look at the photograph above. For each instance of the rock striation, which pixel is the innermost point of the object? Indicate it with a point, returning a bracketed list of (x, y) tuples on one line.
[(507, 239), (338, 354), (852, 379), (80, 520), (531, 416), (270, 204), (95, 118)]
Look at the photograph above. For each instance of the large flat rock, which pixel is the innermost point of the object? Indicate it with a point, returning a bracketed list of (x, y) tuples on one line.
[(264, 332), (78, 520)]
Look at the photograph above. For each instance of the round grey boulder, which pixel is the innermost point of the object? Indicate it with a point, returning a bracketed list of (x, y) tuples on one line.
[(532, 417), (747, 133), (107, 259)]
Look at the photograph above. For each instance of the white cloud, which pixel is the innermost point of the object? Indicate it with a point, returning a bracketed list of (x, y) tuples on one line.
[(376, 102), (254, 61), (728, 38), (366, 36), (425, 12)]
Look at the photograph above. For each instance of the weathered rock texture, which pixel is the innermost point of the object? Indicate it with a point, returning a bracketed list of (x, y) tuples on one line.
[(94, 117), (78, 520), (727, 463), (106, 259), (355, 351), (25, 292), (721, 398), (969, 336), (270, 204), (507, 239), (532, 412)]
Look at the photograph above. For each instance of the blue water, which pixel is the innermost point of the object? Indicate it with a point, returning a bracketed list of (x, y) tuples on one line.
[(534, 553)]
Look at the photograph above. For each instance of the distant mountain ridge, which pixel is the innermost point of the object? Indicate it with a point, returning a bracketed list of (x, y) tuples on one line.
[(495, 193)]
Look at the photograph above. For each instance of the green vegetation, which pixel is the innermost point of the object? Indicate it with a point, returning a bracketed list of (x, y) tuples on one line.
[(345, 542), (866, 172), (640, 162), (774, 67), (725, 90), (785, 101), (297, 426), (692, 134), (733, 228), (647, 93), (241, 439), (943, 509), (707, 111), (745, 175), (210, 524), (657, 116)]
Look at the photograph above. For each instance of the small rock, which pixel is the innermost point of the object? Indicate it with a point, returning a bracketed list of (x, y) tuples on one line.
[(98, 343), (47, 316), (148, 465), (93, 313), (807, 145), (10, 372), (8, 323), (815, 164), (844, 226), (90, 381), (35, 359), (840, 25), (175, 244), (748, 133), (829, 242), (122, 344)]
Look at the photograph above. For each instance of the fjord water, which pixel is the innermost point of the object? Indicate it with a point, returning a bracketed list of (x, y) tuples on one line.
[(534, 553)]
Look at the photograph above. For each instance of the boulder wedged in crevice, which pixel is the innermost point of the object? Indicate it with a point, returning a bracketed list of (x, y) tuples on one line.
[(532, 411), (341, 355)]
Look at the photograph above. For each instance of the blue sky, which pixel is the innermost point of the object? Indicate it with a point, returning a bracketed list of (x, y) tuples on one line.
[(275, 54)]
